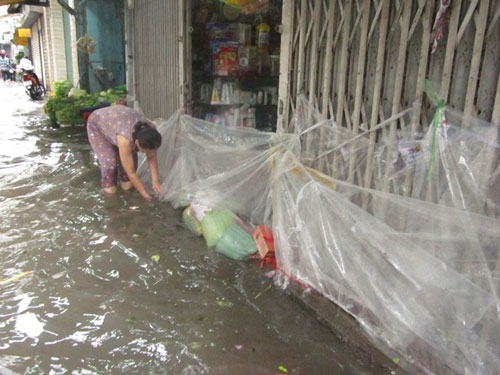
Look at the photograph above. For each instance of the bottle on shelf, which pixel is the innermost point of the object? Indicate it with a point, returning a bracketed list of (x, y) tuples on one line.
[(263, 30)]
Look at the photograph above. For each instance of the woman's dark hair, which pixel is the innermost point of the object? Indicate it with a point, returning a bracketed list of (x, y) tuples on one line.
[(148, 137)]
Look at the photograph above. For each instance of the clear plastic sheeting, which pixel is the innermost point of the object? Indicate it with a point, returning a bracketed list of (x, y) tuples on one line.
[(413, 255), (217, 166), (465, 173), (387, 265), (414, 260), (339, 151)]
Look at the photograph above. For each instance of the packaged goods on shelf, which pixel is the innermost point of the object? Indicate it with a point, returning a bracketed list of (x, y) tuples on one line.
[(225, 58)]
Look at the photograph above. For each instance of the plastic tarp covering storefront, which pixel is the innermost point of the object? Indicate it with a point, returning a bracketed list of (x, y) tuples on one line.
[(413, 257)]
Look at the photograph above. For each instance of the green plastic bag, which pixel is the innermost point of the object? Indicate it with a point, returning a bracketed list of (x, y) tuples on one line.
[(190, 222), (214, 224), (236, 244)]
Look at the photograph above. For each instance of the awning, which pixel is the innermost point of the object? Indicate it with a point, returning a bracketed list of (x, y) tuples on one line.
[(26, 2), (8, 2)]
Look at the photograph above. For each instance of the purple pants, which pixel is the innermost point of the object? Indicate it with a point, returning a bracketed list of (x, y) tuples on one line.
[(108, 156)]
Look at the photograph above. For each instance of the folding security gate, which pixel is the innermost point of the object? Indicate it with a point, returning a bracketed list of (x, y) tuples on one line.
[(155, 52), (361, 61)]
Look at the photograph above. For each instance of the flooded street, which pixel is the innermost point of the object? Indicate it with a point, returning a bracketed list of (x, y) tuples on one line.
[(81, 294)]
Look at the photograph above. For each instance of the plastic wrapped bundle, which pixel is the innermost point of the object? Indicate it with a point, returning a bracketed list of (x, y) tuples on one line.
[(236, 244), (214, 224), (191, 223)]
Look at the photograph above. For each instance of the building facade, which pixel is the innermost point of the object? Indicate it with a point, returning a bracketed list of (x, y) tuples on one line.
[(52, 35)]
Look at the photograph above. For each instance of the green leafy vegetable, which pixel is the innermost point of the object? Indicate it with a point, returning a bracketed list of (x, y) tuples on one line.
[(53, 105), (65, 106), (69, 114), (61, 88)]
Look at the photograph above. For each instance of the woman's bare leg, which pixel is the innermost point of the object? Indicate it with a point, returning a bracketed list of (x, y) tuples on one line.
[(110, 190), (126, 185)]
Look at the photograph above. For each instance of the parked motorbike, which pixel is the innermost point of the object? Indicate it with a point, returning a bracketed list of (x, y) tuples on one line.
[(32, 84)]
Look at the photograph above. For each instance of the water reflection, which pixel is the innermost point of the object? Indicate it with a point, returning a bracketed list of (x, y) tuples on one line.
[(29, 325)]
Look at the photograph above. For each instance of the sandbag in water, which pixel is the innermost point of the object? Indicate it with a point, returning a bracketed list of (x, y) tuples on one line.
[(214, 224), (236, 244), (190, 222)]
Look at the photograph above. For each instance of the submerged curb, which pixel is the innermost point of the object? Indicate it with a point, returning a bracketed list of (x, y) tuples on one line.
[(344, 327)]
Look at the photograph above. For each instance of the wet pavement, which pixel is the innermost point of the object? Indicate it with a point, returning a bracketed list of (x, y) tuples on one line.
[(81, 294)]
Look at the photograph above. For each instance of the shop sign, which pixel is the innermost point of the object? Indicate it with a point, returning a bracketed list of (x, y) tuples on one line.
[(21, 37)]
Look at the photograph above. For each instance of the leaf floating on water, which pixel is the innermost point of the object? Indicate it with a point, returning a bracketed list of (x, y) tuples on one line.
[(225, 304), (59, 275), (14, 278), (131, 319), (395, 360), (282, 368), (195, 345), (155, 258), (263, 291)]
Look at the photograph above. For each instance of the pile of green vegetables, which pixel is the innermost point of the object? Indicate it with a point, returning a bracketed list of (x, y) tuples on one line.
[(64, 107)]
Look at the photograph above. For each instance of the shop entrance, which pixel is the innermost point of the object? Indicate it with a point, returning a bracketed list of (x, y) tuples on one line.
[(235, 47)]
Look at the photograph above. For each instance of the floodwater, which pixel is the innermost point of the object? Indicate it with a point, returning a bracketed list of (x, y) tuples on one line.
[(81, 294)]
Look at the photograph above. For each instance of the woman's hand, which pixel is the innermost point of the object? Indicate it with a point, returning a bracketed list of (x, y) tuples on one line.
[(157, 187)]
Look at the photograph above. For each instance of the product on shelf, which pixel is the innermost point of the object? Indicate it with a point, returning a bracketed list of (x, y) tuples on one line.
[(216, 91), (244, 34), (263, 30), (206, 93), (255, 7), (225, 58), (274, 61), (223, 32)]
